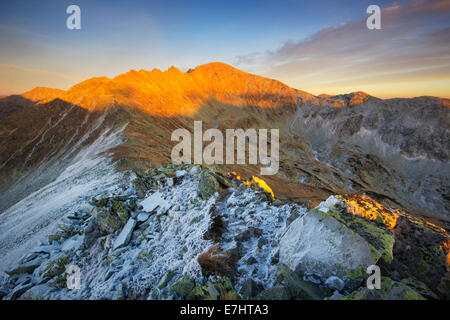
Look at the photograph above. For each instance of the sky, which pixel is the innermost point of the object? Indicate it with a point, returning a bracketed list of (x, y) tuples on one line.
[(319, 46)]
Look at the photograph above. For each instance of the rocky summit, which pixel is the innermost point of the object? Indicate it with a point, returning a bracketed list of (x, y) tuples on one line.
[(92, 207)]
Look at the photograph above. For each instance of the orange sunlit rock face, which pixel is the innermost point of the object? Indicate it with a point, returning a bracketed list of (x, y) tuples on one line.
[(175, 93), (254, 181), (364, 206), (446, 248), (263, 185)]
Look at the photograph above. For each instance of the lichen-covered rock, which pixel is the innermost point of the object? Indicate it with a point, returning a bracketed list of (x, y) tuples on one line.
[(223, 287), (165, 279), (250, 289), (334, 283), (183, 287), (221, 177), (421, 253), (38, 292), (207, 186), (390, 290), (19, 290), (108, 221), (275, 293), (299, 288), (91, 234), (27, 267), (55, 266), (142, 182)]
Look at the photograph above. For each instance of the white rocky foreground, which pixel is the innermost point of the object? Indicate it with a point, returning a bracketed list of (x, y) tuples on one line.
[(145, 244)]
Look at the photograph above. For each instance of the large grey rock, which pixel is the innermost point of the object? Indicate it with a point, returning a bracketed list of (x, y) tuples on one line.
[(155, 201), (19, 290), (207, 186), (36, 293), (275, 293), (334, 283), (27, 267), (250, 289), (91, 233), (73, 244), (319, 244), (142, 217), (125, 234), (43, 249), (299, 288), (390, 290)]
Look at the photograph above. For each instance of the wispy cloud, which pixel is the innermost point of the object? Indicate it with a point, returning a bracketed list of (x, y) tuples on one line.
[(413, 46), (15, 78), (15, 30)]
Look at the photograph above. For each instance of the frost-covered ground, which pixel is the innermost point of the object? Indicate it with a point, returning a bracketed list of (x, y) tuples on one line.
[(169, 240), (180, 231), (29, 221)]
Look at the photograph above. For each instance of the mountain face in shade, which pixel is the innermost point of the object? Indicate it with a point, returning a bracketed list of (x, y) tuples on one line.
[(13, 103)]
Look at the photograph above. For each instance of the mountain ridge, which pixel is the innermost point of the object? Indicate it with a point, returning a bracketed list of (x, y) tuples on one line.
[(151, 104)]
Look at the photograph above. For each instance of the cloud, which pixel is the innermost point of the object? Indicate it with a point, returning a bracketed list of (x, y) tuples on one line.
[(412, 46)]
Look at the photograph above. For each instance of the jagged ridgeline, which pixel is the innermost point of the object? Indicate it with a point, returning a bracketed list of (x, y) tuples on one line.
[(187, 232)]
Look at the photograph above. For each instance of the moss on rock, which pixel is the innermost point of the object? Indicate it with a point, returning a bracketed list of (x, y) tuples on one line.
[(183, 287), (299, 288), (207, 186)]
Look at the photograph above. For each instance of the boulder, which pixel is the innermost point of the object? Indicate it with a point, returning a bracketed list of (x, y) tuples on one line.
[(334, 283), (275, 293), (36, 293), (220, 288), (73, 244), (390, 290), (155, 201), (91, 233), (250, 289), (299, 288), (19, 290), (142, 217), (56, 266), (108, 221), (322, 244), (27, 267), (125, 234), (207, 186), (183, 287)]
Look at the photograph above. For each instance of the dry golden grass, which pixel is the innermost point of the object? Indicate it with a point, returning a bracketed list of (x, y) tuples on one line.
[(217, 261)]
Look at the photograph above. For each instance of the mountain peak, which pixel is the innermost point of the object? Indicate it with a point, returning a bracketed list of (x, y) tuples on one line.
[(42, 93), (172, 92)]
